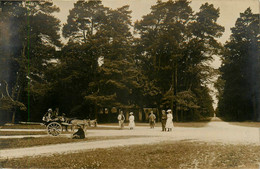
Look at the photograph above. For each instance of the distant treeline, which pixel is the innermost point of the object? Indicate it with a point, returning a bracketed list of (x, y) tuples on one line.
[(161, 61), (239, 80)]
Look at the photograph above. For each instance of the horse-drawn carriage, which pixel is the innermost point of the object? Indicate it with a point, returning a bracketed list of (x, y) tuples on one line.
[(54, 125)]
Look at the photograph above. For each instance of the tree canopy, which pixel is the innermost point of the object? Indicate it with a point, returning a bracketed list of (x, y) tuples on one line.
[(177, 46), (239, 88), (161, 61), (27, 47)]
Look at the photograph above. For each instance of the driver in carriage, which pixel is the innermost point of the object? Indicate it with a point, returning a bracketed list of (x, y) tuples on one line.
[(47, 116), (50, 115)]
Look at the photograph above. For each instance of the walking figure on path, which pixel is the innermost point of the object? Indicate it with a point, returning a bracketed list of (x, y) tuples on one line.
[(131, 121), (121, 119), (169, 123), (163, 120), (152, 118)]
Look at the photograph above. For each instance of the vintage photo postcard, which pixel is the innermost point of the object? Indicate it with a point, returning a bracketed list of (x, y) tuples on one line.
[(130, 84)]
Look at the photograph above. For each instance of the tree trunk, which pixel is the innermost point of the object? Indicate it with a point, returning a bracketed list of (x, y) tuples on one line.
[(95, 109), (13, 117), (84, 36), (158, 113), (172, 93), (182, 115), (92, 27), (8, 95), (175, 91), (254, 109)]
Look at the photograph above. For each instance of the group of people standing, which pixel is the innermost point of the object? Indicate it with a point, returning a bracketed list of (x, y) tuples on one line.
[(166, 119), (121, 119), (51, 114), (167, 123)]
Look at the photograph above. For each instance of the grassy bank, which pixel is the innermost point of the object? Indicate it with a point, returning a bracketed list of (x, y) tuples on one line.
[(23, 126), (165, 155), (13, 133), (32, 141), (246, 124), (190, 124)]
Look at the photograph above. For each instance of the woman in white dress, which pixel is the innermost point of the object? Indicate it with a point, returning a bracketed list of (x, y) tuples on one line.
[(169, 123), (131, 121)]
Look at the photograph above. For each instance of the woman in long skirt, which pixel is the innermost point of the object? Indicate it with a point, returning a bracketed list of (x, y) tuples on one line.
[(169, 123), (131, 121)]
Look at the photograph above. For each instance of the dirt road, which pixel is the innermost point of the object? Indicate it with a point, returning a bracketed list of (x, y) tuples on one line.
[(214, 132)]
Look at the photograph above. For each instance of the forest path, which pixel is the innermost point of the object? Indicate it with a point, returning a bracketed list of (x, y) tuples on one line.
[(215, 132)]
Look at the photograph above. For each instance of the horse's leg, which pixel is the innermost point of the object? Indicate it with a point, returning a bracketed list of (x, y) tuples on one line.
[(83, 127), (72, 128)]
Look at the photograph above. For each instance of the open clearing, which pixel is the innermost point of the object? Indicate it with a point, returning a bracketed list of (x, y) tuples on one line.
[(215, 133)]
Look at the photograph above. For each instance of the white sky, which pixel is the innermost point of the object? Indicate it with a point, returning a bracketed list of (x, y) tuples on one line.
[(229, 12)]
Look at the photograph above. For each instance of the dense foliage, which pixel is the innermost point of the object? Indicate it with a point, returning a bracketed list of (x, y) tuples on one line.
[(239, 83), (175, 48), (26, 48), (103, 65)]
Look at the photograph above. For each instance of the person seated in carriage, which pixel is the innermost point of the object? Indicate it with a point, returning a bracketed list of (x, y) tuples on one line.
[(50, 115), (47, 116)]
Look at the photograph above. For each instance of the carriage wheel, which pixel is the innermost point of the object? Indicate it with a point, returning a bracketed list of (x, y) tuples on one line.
[(54, 128)]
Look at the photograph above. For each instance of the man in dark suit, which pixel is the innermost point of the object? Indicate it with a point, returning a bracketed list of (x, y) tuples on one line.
[(163, 120), (152, 118)]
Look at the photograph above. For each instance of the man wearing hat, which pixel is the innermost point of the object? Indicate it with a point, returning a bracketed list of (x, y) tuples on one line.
[(152, 118), (48, 116), (121, 119), (163, 120)]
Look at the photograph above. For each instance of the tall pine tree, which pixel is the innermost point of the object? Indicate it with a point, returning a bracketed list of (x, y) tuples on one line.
[(28, 47), (177, 46), (240, 70)]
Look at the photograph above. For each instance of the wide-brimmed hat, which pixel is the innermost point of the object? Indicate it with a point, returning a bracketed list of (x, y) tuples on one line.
[(169, 110), (131, 113)]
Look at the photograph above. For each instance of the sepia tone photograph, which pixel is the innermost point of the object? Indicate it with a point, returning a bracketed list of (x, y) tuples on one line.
[(130, 84)]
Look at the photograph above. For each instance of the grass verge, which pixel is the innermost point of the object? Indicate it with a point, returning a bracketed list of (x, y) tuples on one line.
[(190, 124), (23, 126), (246, 124), (164, 155), (13, 133), (48, 140)]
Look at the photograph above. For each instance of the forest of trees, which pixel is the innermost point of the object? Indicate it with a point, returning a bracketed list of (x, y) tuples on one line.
[(239, 83), (161, 61)]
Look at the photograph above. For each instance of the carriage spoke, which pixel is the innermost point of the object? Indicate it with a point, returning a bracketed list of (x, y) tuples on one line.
[(54, 128)]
